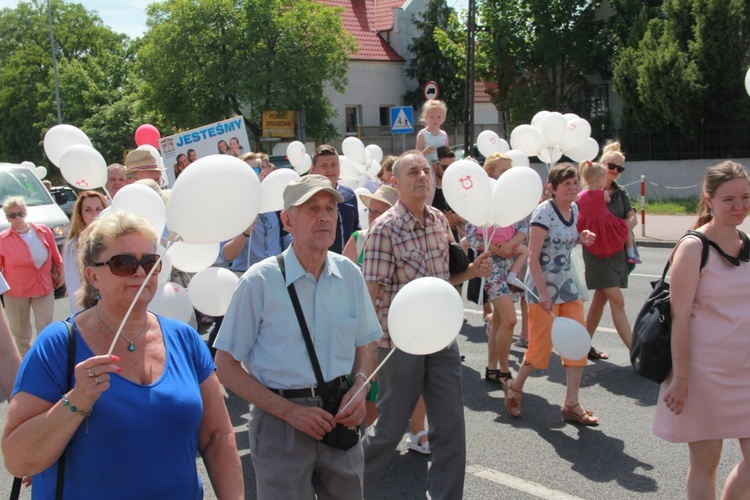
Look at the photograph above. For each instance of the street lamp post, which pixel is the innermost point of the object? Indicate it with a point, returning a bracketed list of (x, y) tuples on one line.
[(469, 102), (54, 61)]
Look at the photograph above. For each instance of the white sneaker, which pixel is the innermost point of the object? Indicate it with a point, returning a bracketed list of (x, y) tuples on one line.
[(412, 442), (515, 284)]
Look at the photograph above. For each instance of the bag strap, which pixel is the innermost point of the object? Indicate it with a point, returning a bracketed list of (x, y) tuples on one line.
[(71, 367), (704, 253), (322, 387)]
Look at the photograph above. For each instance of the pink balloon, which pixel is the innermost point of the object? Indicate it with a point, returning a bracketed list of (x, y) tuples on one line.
[(147, 134)]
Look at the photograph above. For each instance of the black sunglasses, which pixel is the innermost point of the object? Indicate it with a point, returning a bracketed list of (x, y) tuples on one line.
[(13, 215), (127, 265), (620, 169)]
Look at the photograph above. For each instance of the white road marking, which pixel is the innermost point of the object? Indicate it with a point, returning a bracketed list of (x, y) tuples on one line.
[(646, 275), (519, 484)]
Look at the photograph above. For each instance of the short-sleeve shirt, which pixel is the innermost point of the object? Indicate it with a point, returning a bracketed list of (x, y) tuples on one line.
[(141, 440), (261, 330), (561, 238), (399, 249)]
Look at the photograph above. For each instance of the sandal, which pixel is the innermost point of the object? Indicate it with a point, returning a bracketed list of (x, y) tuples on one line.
[(497, 376), (586, 418), (594, 354), (513, 405), (413, 443)]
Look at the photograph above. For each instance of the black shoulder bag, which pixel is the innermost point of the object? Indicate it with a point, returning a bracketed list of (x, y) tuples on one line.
[(15, 491), (341, 436), (650, 347)]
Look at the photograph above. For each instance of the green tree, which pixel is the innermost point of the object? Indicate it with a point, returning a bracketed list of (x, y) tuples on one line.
[(688, 68), (428, 63), (93, 69), (206, 60)]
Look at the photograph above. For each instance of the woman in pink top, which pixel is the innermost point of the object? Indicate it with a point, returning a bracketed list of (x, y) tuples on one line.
[(28, 259)]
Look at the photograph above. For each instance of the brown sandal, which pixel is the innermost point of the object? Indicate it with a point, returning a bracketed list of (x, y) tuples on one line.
[(586, 418), (513, 405)]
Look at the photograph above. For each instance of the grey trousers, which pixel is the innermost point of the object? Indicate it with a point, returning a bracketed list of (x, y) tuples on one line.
[(291, 464), (402, 379)]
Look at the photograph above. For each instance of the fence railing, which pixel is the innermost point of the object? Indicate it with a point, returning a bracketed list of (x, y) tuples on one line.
[(709, 143)]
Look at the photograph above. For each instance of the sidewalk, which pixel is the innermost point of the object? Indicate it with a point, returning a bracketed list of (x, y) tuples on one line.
[(666, 230)]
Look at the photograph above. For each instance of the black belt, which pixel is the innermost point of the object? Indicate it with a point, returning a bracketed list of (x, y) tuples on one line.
[(310, 392)]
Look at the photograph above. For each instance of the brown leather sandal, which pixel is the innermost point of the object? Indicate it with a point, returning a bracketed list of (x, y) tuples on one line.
[(586, 418), (512, 405)]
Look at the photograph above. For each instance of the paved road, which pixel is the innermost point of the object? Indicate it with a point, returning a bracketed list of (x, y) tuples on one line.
[(538, 456)]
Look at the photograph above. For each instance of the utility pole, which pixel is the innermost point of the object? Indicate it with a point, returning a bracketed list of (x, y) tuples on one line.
[(469, 103), (54, 62)]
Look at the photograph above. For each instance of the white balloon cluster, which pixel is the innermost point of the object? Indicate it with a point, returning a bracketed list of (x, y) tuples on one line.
[(489, 142), (551, 135), (358, 163)]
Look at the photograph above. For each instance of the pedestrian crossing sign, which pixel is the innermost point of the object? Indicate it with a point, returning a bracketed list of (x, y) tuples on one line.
[(402, 120)]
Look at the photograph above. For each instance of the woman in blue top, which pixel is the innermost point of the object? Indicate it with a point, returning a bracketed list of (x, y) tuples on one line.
[(131, 422)]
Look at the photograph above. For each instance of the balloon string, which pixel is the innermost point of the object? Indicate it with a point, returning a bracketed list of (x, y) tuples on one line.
[(534, 295), (135, 299), (107, 193), (486, 249), (368, 380)]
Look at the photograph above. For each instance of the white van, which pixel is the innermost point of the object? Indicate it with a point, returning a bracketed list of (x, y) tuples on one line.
[(17, 180)]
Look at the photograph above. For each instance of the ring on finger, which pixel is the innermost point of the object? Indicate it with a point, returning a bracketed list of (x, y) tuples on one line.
[(91, 373), (98, 379)]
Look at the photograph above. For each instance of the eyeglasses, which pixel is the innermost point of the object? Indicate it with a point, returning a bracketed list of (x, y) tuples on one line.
[(13, 215), (620, 169), (127, 265)]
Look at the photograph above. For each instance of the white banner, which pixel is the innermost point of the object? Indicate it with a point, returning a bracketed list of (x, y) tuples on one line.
[(224, 137)]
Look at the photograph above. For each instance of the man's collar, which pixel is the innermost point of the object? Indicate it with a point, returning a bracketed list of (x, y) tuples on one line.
[(409, 217), (294, 269)]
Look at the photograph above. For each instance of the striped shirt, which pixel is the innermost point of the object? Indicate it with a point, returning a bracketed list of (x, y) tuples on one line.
[(399, 249)]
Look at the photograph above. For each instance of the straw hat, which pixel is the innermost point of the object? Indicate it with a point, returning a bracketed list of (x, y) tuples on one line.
[(139, 161), (384, 193)]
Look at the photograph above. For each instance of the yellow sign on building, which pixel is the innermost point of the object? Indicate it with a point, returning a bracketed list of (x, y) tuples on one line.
[(278, 124)]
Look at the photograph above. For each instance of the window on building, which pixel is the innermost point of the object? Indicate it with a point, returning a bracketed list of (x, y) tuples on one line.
[(385, 116), (597, 99), (352, 119)]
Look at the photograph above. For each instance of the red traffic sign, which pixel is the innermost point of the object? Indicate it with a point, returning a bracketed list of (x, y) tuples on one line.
[(431, 91)]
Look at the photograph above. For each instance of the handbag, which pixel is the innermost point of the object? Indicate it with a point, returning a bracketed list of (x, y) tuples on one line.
[(650, 347), (458, 261), (15, 491), (341, 436)]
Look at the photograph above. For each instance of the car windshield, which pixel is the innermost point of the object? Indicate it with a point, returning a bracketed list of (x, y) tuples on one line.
[(24, 183)]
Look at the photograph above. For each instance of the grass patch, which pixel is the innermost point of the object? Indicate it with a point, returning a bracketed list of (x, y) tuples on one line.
[(667, 206)]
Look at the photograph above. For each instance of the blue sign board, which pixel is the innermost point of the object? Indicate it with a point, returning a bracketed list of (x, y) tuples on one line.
[(402, 120)]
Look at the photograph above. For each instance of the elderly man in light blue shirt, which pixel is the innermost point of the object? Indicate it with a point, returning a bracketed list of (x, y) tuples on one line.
[(262, 355)]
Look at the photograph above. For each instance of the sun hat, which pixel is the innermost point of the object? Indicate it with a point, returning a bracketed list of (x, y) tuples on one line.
[(384, 193), (139, 160)]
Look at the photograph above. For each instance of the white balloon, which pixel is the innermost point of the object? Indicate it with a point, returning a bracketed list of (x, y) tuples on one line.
[(350, 183), (304, 164), (570, 338), (553, 128), (578, 131), (549, 155), (192, 258), (516, 195), (295, 151), (353, 149), (143, 201), (586, 151), (489, 142), (466, 187), (61, 137), (538, 118), (272, 189), (165, 275), (29, 165), (41, 172), (570, 116), (425, 316), (211, 290), (214, 200), (747, 81), (368, 159), (374, 168), (364, 221), (347, 168), (375, 151), (83, 167), (520, 159), (172, 301), (527, 139), (154, 152)]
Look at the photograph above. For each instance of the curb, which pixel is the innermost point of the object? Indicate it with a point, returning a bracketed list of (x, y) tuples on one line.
[(655, 243)]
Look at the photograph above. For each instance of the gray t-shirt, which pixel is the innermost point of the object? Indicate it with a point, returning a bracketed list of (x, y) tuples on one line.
[(562, 236)]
